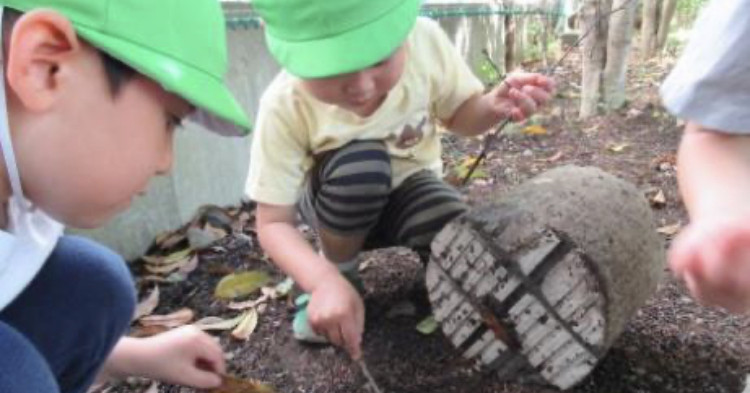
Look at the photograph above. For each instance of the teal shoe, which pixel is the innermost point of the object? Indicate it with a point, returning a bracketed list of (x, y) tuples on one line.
[(301, 328)]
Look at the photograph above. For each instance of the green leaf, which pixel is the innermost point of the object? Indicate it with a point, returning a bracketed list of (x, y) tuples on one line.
[(428, 326), (240, 284)]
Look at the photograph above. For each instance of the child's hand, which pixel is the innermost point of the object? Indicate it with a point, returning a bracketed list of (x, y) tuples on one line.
[(520, 95), (713, 258), (183, 356), (336, 311)]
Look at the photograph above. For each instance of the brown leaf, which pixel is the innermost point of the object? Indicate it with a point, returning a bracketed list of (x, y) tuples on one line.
[(553, 158), (453, 179), (216, 323), (247, 325), (148, 305), (179, 261), (167, 240), (658, 199), (366, 264), (190, 266), (169, 259), (618, 147), (173, 320), (153, 278), (147, 331), (236, 385), (248, 304), (670, 230)]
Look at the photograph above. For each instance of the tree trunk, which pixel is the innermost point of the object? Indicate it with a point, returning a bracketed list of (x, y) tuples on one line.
[(649, 28), (667, 12), (545, 41), (618, 49), (521, 39), (593, 55), (510, 43)]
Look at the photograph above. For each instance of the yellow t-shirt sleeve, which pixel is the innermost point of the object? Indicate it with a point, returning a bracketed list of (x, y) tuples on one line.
[(452, 79), (278, 158)]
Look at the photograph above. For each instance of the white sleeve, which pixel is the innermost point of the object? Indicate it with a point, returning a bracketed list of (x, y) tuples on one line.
[(710, 84)]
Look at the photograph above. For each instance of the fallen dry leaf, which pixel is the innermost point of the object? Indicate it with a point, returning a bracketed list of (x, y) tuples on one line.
[(153, 278), (168, 240), (670, 230), (216, 323), (553, 158), (237, 385), (147, 331), (241, 284), (366, 264), (166, 269), (190, 266), (173, 320), (534, 129), (247, 325), (659, 199), (148, 305), (618, 147), (154, 388), (169, 259), (247, 304), (664, 161)]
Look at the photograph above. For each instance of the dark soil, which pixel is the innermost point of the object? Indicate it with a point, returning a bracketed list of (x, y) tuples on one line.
[(672, 345)]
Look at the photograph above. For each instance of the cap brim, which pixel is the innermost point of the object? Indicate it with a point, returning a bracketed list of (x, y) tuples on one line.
[(216, 107), (351, 51)]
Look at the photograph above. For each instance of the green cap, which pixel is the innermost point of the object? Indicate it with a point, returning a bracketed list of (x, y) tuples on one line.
[(320, 38), (180, 44)]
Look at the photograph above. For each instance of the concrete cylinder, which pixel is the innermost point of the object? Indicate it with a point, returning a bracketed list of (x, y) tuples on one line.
[(539, 284)]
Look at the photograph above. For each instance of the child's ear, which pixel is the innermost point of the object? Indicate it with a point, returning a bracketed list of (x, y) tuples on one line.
[(42, 48)]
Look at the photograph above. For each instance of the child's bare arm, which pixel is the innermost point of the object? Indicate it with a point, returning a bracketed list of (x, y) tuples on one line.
[(714, 172), (518, 97), (288, 249), (183, 356), (335, 309), (712, 254)]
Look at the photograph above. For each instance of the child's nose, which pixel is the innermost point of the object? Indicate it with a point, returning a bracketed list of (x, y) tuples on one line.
[(361, 83)]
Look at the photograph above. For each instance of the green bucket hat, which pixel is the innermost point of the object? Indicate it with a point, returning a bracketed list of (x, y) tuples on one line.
[(321, 38), (180, 44)]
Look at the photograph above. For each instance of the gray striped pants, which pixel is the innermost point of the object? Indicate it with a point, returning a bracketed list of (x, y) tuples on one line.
[(349, 193)]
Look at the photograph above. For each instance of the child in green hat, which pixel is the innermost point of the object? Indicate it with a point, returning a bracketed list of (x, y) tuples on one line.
[(93, 93), (347, 135)]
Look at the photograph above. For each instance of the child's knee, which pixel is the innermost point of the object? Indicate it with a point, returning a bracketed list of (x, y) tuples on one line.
[(22, 367), (99, 273), (359, 172)]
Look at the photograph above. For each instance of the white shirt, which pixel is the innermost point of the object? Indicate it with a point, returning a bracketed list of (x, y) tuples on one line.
[(710, 84)]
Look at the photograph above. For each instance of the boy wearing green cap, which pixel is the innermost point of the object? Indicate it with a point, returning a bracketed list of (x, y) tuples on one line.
[(347, 135), (93, 92)]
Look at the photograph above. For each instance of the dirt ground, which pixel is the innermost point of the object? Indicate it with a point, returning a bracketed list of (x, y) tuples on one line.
[(673, 344)]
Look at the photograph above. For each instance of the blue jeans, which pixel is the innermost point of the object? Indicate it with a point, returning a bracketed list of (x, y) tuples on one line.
[(57, 334)]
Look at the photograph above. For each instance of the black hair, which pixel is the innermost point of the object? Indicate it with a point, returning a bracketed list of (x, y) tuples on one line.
[(118, 73)]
